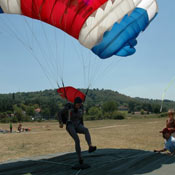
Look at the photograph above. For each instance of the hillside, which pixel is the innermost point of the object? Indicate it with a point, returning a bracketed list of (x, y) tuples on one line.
[(95, 97)]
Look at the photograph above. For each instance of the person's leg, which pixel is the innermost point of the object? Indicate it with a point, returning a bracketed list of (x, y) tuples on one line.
[(83, 130), (71, 130)]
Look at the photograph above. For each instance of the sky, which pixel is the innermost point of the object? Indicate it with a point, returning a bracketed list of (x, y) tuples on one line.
[(35, 56)]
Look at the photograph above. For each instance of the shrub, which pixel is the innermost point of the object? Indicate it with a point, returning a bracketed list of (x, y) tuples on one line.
[(6, 120), (94, 113), (14, 119), (163, 115), (117, 115), (90, 117)]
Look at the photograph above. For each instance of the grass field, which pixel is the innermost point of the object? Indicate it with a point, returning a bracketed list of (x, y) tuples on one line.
[(47, 138)]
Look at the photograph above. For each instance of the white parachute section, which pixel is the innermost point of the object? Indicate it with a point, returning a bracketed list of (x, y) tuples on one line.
[(109, 13), (11, 6)]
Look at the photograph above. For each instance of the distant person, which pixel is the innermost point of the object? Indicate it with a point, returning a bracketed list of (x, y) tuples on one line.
[(169, 142), (72, 116), (170, 122), (11, 127), (20, 127)]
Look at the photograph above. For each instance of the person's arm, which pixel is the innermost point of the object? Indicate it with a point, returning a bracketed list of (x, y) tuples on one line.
[(167, 123), (171, 130), (172, 153), (161, 150), (60, 119), (82, 113)]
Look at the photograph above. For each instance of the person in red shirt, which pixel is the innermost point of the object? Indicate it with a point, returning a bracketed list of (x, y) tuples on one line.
[(170, 122)]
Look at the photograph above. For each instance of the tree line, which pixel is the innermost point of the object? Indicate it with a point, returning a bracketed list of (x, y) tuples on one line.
[(100, 104)]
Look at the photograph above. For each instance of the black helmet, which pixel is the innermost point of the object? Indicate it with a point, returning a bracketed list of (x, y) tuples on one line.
[(78, 100)]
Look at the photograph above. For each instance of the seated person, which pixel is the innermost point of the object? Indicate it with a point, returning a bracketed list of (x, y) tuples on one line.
[(169, 142), (20, 127), (170, 123)]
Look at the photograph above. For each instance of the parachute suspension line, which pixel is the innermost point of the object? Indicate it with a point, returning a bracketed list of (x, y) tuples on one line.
[(28, 48), (58, 66), (84, 72), (56, 53), (49, 48), (50, 71), (87, 90), (64, 90), (91, 70), (93, 67), (106, 69), (64, 40), (13, 33), (77, 50), (95, 71), (81, 56), (164, 93), (62, 68), (42, 51), (58, 85)]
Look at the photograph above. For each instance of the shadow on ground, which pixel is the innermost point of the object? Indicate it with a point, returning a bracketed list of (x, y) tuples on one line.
[(102, 162)]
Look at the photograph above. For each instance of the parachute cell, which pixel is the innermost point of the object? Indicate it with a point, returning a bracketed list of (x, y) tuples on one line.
[(107, 27)]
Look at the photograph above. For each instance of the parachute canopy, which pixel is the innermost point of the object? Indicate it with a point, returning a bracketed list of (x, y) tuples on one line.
[(107, 27), (70, 93)]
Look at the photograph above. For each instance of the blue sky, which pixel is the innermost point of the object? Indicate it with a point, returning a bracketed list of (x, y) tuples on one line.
[(149, 73)]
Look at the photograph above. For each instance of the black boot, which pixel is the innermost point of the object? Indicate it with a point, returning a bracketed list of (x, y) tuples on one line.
[(92, 149), (80, 161)]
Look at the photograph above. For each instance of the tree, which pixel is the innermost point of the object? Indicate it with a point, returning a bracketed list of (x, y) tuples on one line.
[(18, 113), (46, 113), (30, 110), (156, 108), (109, 107), (141, 111), (118, 115), (95, 113), (131, 106)]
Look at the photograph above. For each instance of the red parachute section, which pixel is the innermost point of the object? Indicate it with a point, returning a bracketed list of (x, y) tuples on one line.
[(68, 15), (70, 93)]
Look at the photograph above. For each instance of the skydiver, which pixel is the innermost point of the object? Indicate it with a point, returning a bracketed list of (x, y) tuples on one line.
[(169, 142), (72, 116)]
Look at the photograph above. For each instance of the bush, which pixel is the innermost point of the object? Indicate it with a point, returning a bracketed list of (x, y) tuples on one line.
[(14, 119), (117, 115), (106, 115), (163, 115), (90, 117), (27, 118), (142, 112), (94, 113), (6, 120)]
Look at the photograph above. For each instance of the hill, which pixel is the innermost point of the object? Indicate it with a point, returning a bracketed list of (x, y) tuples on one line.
[(97, 97)]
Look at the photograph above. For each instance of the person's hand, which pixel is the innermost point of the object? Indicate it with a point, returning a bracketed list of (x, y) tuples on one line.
[(61, 125), (171, 154), (156, 151)]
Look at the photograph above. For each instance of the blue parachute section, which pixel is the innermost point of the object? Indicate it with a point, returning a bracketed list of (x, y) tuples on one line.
[(1, 11), (121, 39)]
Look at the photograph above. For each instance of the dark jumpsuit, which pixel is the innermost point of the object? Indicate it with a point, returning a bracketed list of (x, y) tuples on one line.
[(75, 125)]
